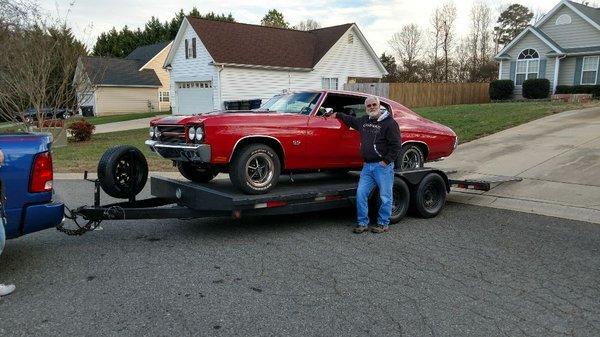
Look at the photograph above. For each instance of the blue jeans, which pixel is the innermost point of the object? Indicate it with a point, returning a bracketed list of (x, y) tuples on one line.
[(2, 235), (375, 174)]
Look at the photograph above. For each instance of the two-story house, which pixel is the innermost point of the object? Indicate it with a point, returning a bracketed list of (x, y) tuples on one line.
[(563, 47)]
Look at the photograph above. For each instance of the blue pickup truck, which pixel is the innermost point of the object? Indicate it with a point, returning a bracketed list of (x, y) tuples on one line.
[(26, 179)]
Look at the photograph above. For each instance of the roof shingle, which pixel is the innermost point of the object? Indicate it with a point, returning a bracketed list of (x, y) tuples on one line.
[(117, 71), (146, 53), (239, 43)]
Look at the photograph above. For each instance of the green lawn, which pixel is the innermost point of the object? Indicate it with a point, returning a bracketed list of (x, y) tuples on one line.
[(77, 157), (468, 121), (117, 118), (472, 121)]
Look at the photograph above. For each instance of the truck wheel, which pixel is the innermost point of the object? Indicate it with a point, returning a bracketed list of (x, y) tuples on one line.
[(122, 170), (411, 157), (255, 169), (195, 173), (400, 202), (430, 196)]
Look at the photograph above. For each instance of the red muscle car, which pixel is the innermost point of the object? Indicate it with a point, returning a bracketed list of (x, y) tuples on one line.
[(289, 133)]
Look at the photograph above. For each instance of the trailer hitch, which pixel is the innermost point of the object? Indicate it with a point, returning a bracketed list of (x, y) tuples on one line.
[(83, 224)]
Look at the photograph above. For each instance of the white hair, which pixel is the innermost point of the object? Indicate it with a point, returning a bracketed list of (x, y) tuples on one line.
[(373, 98)]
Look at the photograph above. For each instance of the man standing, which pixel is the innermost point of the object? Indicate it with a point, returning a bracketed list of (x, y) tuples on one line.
[(379, 145)]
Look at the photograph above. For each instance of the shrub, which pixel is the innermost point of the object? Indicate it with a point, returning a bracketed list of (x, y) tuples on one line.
[(594, 90), (501, 90), (81, 130), (536, 88)]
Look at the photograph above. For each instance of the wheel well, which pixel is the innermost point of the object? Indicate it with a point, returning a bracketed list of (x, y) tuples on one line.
[(423, 147), (271, 142)]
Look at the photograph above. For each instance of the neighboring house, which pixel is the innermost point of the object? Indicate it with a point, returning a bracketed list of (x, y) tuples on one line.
[(563, 47), (212, 62), (137, 83)]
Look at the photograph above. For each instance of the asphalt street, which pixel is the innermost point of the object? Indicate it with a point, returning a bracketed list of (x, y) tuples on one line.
[(472, 271)]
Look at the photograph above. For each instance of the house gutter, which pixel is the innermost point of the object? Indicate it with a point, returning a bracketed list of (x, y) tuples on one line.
[(220, 68)]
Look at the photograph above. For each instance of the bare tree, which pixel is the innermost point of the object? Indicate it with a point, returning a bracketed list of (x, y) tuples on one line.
[(37, 67), (448, 13), (436, 42), (408, 45), (308, 24)]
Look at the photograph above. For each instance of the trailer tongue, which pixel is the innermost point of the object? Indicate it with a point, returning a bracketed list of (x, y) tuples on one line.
[(423, 189)]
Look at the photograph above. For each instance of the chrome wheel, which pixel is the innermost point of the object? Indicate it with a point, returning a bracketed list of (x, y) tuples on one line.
[(411, 159), (259, 170)]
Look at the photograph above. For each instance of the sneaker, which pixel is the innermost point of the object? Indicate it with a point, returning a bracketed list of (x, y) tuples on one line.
[(6, 289), (360, 229), (380, 229)]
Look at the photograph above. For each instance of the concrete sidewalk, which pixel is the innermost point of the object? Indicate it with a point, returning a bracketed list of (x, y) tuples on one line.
[(558, 158), (126, 125)]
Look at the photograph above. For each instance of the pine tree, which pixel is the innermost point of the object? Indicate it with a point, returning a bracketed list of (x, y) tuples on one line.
[(511, 22), (274, 18)]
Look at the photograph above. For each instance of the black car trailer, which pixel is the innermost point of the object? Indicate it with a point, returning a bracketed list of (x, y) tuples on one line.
[(424, 190)]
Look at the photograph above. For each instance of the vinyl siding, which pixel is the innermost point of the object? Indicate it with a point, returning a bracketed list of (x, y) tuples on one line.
[(505, 75), (198, 69), (156, 64), (124, 100), (567, 71), (579, 33), (342, 61)]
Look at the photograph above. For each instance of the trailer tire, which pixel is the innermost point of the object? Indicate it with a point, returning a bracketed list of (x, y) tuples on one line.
[(195, 173), (268, 172), (114, 174), (400, 202), (430, 196)]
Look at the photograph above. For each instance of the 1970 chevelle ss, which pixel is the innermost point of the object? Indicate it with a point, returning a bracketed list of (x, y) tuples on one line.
[(289, 133)]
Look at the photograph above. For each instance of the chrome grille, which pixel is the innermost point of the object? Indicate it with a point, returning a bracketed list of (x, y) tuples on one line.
[(171, 133)]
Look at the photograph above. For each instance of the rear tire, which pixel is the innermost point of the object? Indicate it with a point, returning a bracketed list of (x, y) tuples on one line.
[(122, 171), (195, 173), (430, 196), (255, 169)]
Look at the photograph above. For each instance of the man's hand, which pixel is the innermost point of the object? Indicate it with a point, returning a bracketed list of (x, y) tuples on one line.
[(382, 163)]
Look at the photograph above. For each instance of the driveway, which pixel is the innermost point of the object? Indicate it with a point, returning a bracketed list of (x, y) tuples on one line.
[(472, 271), (126, 125), (558, 158)]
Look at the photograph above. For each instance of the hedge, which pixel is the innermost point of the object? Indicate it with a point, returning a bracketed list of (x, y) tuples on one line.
[(536, 88), (579, 89), (501, 90)]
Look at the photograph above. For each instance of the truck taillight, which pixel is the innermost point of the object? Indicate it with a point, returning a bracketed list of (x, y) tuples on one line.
[(41, 173)]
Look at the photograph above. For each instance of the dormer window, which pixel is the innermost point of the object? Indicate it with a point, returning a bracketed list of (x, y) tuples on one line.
[(564, 19)]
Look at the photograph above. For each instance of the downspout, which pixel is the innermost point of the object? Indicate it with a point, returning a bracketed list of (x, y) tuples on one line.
[(221, 104), (556, 71)]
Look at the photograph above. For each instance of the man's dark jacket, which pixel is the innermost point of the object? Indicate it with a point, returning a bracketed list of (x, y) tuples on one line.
[(379, 138)]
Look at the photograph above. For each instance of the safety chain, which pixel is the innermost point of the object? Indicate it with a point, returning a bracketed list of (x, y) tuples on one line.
[(81, 229)]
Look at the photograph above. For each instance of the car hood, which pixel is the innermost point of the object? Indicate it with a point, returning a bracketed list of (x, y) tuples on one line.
[(195, 119)]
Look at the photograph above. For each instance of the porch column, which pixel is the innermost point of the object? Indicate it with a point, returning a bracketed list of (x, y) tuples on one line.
[(500, 70), (556, 70)]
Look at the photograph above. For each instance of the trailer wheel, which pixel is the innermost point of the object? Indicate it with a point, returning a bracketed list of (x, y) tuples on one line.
[(400, 202), (255, 169), (122, 170), (430, 196), (195, 173)]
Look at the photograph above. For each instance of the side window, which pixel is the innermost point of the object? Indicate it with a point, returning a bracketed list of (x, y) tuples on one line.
[(346, 104)]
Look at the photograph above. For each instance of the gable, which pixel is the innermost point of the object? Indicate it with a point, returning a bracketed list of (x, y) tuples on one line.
[(579, 33), (527, 41)]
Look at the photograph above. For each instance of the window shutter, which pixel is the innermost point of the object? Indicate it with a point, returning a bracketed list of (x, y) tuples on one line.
[(578, 69), (542, 73), (193, 47), (186, 49), (513, 70), (597, 73)]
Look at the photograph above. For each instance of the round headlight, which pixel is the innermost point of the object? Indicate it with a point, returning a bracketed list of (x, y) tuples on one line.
[(199, 134), (151, 132), (192, 133)]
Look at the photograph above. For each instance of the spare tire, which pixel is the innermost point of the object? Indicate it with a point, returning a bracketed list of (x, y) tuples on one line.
[(122, 171)]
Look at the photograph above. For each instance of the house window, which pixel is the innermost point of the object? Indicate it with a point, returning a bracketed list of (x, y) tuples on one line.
[(528, 66), (589, 72), (564, 19), (163, 96), (330, 83)]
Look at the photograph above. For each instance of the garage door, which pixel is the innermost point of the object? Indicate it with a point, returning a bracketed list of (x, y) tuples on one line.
[(194, 97)]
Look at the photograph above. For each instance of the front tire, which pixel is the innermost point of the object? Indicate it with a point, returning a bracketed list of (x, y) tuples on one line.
[(411, 158), (195, 173), (255, 169)]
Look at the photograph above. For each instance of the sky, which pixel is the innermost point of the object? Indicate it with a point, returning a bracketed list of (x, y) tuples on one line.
[(378, 20)]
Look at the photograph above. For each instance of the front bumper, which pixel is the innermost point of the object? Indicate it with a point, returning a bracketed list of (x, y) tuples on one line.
[(197, 153)]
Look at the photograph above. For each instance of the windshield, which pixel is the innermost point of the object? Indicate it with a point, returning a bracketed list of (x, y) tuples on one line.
[(298, 103)]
